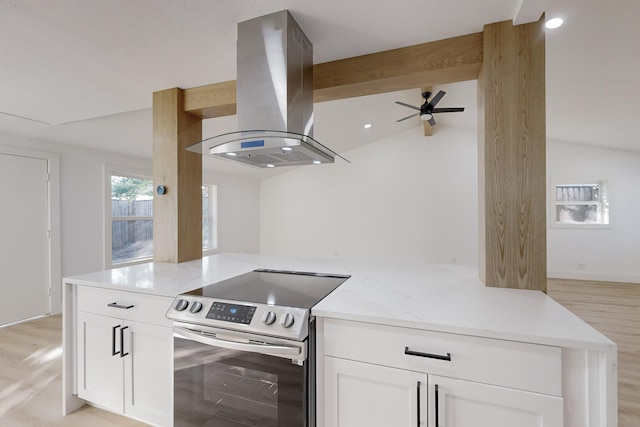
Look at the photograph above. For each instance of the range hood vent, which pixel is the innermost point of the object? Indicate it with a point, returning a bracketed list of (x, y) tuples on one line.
[(274, 98)]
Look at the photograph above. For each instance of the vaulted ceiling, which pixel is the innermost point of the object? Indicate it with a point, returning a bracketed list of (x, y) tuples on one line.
[(83, 72)]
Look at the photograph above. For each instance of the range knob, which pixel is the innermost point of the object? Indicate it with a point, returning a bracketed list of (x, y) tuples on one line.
[(287, 320), (196, 307), (182, 305), (268, 317)]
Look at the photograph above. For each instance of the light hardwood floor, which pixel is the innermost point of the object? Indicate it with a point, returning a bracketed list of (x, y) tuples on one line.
[(30, 358), (31, 380), (614, 310)]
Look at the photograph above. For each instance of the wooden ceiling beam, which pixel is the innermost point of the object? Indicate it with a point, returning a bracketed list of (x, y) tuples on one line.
[(445, 61), (215, 100)]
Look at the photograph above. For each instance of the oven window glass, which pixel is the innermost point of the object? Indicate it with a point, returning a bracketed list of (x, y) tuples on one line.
[(218, 387)]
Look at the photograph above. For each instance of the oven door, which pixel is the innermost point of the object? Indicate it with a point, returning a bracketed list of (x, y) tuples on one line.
[(227, 379)]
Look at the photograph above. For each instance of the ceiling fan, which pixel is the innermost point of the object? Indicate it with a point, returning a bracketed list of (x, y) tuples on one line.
[(427, 110)]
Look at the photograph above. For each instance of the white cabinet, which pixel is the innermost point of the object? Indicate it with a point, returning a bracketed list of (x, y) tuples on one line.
[(100, 373), (148, 374), (376, 375), (459, 403), (125, 354), (366, 395)]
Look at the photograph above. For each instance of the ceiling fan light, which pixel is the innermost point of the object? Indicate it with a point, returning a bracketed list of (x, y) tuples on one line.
[(426, 117)]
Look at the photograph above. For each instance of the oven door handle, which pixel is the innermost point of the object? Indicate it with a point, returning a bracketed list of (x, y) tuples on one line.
[(235, 345)]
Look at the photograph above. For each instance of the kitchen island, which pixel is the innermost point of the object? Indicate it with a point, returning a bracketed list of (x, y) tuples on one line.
[(469, 347)]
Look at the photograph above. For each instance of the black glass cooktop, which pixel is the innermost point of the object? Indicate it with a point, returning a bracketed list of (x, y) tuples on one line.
[(275, 287)]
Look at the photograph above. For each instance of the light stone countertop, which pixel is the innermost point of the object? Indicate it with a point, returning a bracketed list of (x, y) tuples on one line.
[(446, 298)]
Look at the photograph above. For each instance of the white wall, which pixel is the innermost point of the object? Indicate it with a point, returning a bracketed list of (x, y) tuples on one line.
[(606, 254), (238, 212), (82, 205), (415, 199), (404, 198)]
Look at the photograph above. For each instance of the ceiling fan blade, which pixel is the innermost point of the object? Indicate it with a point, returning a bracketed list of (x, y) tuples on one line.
[(428, 129), (408, 117), (408, 105), (437, 98), (448, 110), (432, 121)]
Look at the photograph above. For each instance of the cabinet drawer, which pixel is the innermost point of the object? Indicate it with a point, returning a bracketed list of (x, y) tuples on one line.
[(142, 307), (517, 365)]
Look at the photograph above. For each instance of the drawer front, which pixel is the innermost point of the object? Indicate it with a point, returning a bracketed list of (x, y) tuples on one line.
[(125, 305), (517, 365)]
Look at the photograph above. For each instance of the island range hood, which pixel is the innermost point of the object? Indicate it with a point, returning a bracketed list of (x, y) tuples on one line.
[(274, 98)]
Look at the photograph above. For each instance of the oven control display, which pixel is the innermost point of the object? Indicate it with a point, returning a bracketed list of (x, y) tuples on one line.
[(231, 312)]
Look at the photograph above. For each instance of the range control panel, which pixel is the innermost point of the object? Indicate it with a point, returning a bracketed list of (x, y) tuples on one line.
[(278, 321), (232, 312)]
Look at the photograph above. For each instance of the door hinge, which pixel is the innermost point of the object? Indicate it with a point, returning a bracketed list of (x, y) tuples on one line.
[(48, 234), (49, 291), (48, 177)]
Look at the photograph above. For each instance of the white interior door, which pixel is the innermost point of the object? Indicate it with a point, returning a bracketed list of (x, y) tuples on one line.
[(24, 242)]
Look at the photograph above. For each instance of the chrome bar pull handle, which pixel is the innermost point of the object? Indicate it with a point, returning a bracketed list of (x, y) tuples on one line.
[(113, 340), (418, 402), (122, 353), (237, 345), (116, 305), (446, 357), (437, 408)]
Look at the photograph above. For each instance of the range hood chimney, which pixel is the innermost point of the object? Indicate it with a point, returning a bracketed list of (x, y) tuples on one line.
[(274, 98)]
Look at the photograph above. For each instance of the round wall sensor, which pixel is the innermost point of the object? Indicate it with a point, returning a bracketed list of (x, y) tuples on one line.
[(161, 190)]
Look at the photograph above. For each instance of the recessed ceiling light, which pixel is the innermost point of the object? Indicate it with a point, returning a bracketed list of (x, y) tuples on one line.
[(553, 23), (368, 125), (287, 148), (231, 154), (316, 162), (271, 166)]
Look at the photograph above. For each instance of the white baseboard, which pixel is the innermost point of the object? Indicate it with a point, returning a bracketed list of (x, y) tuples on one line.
[(602, 277)]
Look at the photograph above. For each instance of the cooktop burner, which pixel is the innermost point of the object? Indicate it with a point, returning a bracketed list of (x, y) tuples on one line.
[(275, 287), (271, 302)]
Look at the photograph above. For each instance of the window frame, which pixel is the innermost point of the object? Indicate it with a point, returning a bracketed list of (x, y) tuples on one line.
[(213, 230), (129, 172), (604, 203), (133, 172)]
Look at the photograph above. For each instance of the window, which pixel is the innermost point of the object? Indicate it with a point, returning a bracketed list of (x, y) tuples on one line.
[(129, 225), (581, 204), (209, 218), (131, 218)]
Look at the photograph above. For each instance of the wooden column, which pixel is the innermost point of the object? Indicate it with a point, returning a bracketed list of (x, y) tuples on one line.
[(177, 214), (511, 163)]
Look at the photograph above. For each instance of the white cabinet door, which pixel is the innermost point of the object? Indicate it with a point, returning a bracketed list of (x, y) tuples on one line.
[(366, 395), (100, 372), (148, 369), (458, 403), (126, 367)]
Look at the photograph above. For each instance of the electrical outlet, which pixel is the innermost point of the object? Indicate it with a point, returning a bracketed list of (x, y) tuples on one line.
[(581, 266)]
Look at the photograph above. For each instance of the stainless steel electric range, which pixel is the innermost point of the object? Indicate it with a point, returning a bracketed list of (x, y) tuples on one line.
[(244, 350)]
